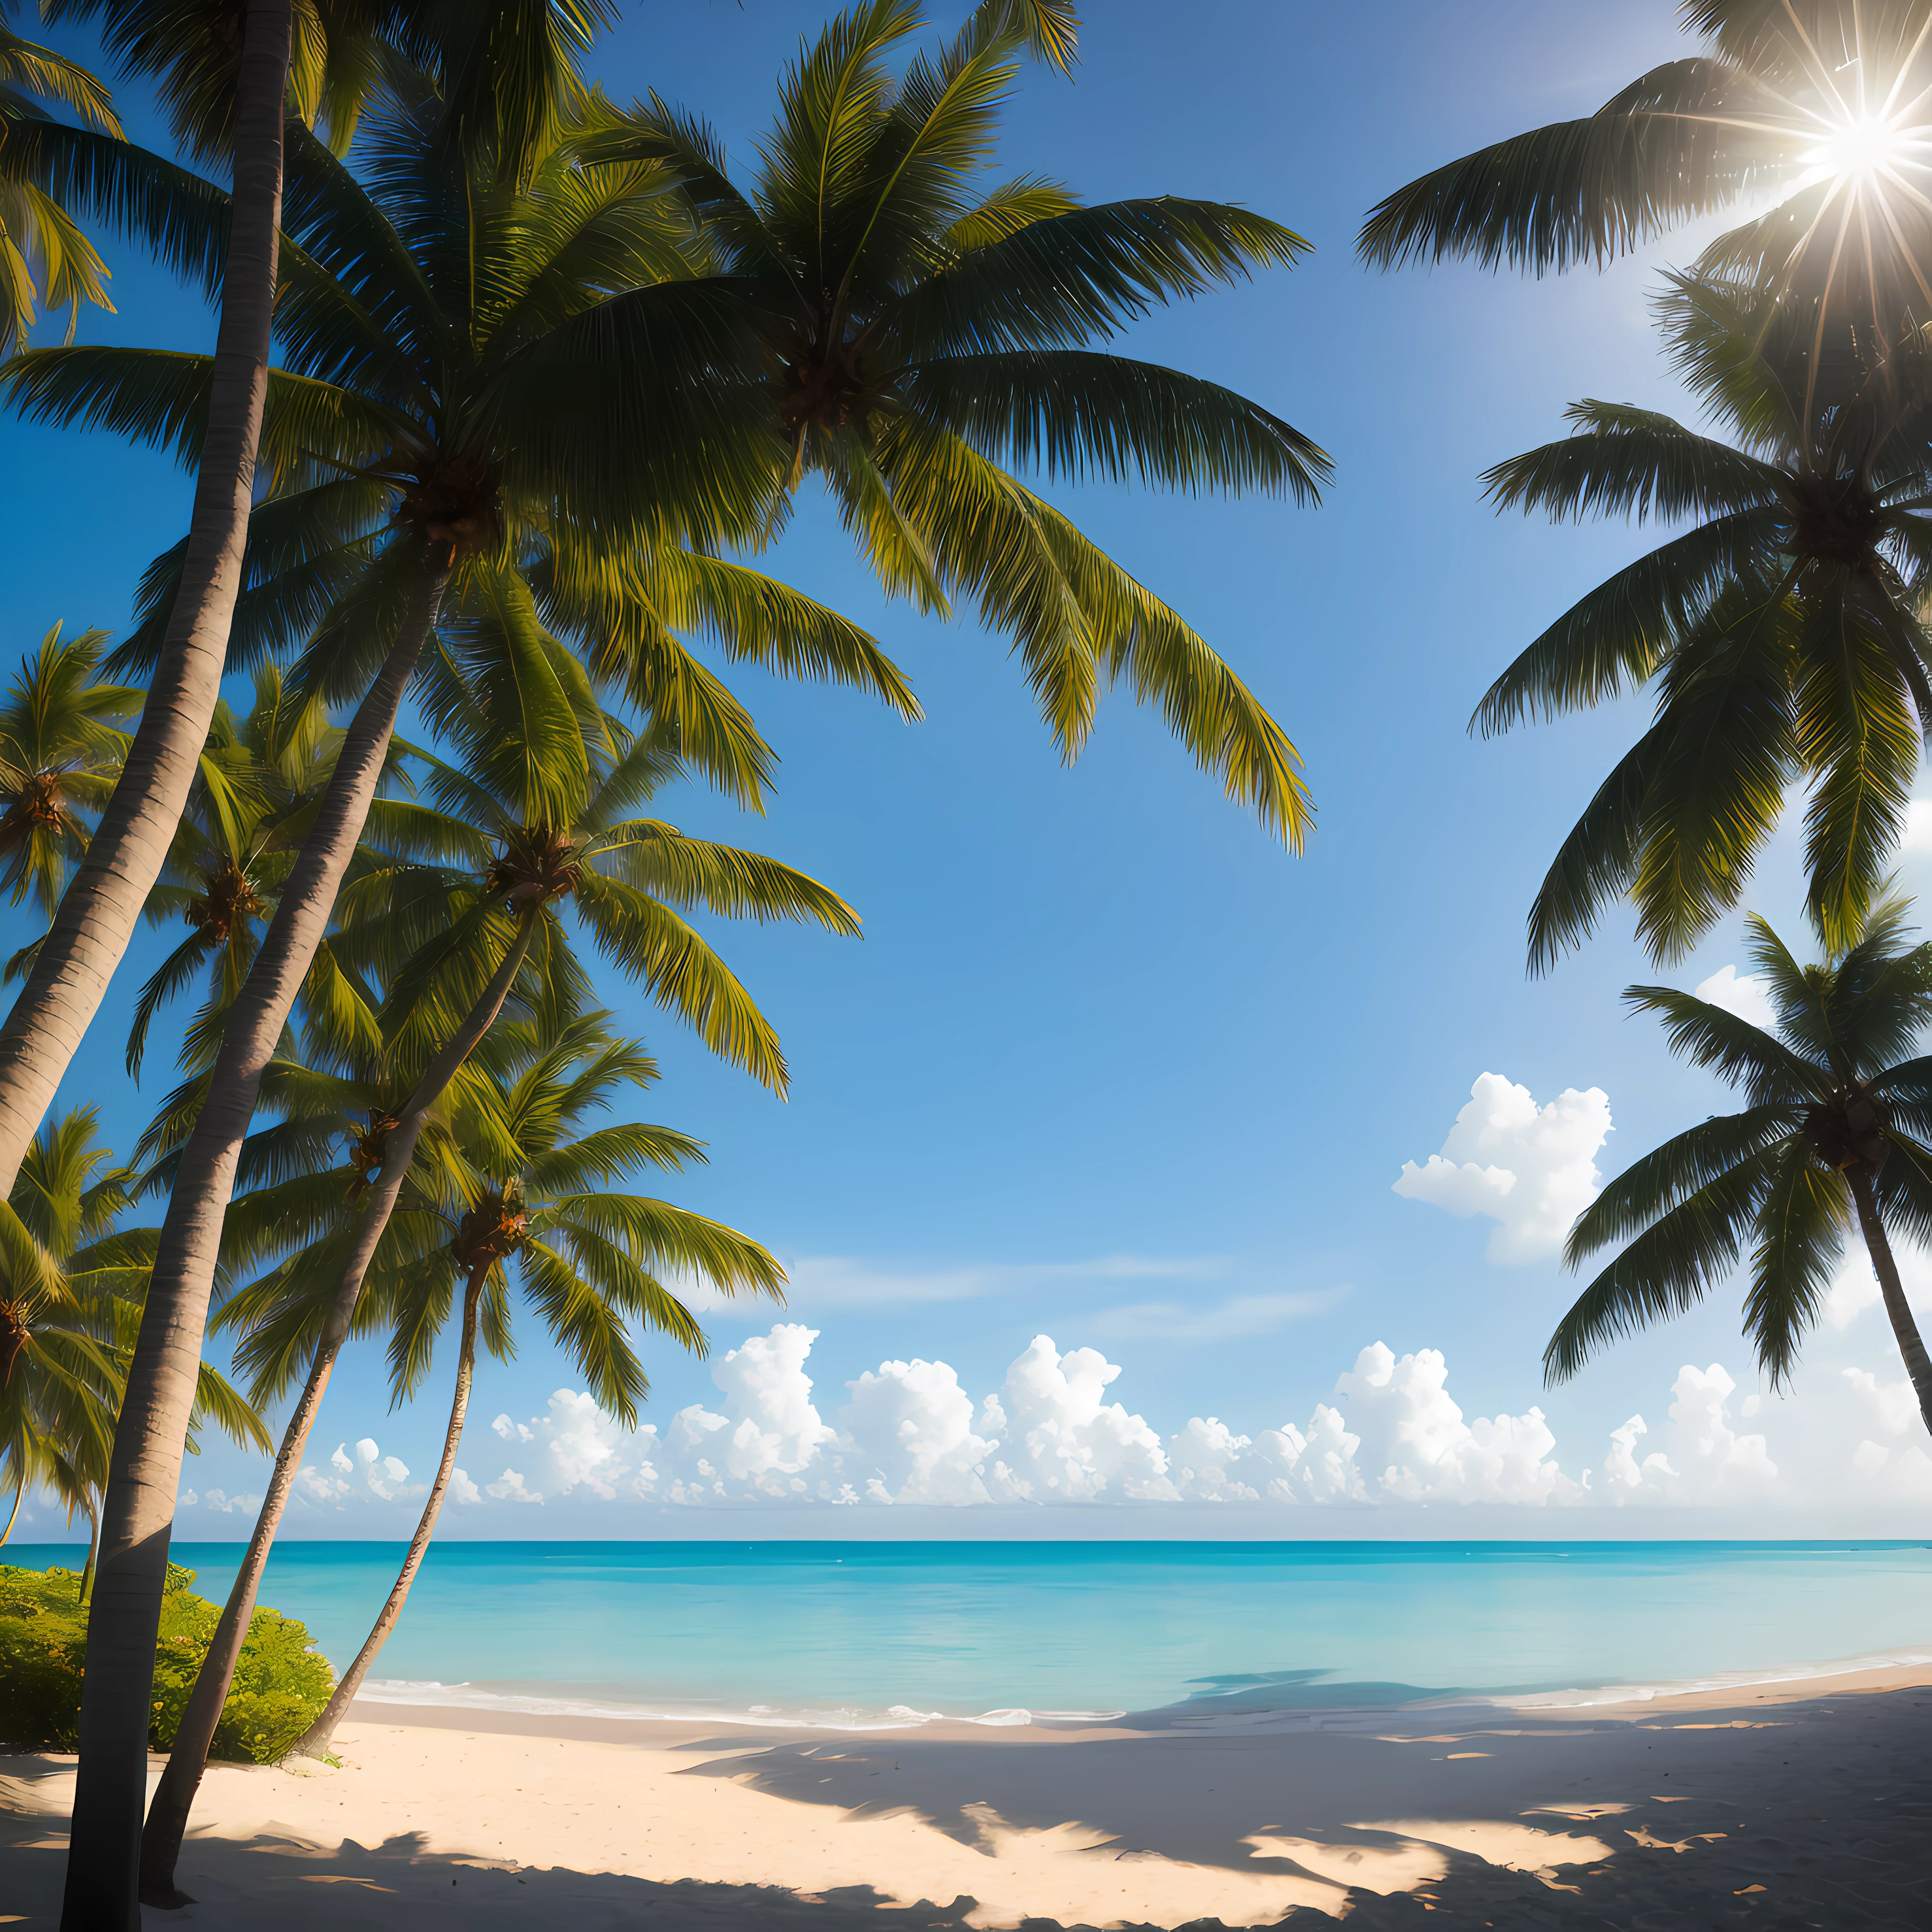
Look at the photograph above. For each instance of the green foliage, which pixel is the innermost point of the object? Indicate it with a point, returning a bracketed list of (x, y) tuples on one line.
[(280, 1684), (1835, 1135)]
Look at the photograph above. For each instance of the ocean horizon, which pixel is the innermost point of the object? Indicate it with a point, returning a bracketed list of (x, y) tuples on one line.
[(861, 1634)]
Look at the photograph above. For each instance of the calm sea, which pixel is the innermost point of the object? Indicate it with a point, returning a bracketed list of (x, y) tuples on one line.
[(868, 1633)]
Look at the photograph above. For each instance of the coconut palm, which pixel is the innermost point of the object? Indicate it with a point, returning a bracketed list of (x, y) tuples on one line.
[(263, 775), (503, 67), (46, 262), (912, 331), (444, 494), (540, 802), (60, 754), (589, 1260), (1837, 1130), (71, 1286), (225, 93), (1781, 631), (1827, 101)]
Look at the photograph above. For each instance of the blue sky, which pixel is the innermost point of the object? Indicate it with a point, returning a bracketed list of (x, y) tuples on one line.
[(1110, 1065)]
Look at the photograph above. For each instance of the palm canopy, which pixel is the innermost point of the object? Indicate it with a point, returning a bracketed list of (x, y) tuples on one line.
[(1781, 630), (1828, 101), (460, 356), (912, 328), (514, 1169), (541, 1187), (60, 751), (536, 818), (46, 262), (71, 1287), (260, 781), (1837, 1128)]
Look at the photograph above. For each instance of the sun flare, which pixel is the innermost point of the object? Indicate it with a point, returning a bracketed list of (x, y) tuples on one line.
[(1863, 148)]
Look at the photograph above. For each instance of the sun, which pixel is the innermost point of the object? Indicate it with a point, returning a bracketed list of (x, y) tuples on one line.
[(1861, 149)]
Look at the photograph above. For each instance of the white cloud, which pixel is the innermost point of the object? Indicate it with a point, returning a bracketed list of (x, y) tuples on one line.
[(1854, 1288), (1062, 1443), (839, 1281), (1700, 1458), (1531, 1169), (917, 1422), (1390, 1436), (1178, 1323), (1918, 834), (461, 1489), (219, 1501), (1749, 998), (510, 1487), (367, 1473)]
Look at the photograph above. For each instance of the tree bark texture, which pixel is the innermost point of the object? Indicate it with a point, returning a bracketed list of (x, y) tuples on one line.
[(1911, 1343), (314, 1741), (96, 914), (174, 1797), (145, 1472)]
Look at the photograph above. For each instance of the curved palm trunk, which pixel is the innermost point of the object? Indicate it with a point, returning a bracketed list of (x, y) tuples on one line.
[(137, 1513), (13, 1514), (1911, 1344), (98, 912), (314, 1741), (93, 1556), (174, 1797)]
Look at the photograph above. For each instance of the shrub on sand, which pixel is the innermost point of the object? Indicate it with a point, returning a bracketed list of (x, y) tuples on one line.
[(281, 1684)]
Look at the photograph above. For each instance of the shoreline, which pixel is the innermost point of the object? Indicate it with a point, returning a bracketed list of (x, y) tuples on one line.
[(1743, 1807), (466, 1703)]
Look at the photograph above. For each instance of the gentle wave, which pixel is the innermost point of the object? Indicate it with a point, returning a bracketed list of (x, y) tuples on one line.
[(1724, 1680), (428, 1693)]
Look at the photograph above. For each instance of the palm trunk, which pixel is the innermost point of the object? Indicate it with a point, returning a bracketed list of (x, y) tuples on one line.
[(98, 912), (138, 1511), (314, 1741), (1911, 1344), (93, 1556), (13, 1514), (174, 1797)]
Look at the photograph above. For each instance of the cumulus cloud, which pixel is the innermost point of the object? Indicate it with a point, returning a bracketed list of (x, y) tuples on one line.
[(367, 1473), (1749, 998), (1055, 1433), (221, 1501), (1701, 1457), (1532, 1170)]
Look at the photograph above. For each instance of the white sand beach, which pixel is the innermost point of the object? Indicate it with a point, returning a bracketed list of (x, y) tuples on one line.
[(1798, 1803)]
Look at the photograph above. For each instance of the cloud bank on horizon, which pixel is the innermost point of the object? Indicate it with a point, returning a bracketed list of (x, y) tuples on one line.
[(908, 1432), (1391, 1436)]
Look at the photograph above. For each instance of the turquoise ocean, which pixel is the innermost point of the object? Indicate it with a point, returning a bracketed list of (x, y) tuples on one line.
[(869, 1633)]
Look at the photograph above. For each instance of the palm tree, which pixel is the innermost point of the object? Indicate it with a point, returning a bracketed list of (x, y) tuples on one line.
[(540, 804), (60, 754), (1782, 630), (911, 332), (445, 508), (263, 776), (46, 262), (71, 1286), (1836, 1127), (224, 71), (1826, 100), (537, 1190), (223, 98)]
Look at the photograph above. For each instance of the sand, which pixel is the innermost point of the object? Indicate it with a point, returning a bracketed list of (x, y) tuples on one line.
[(1790, 1805)]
